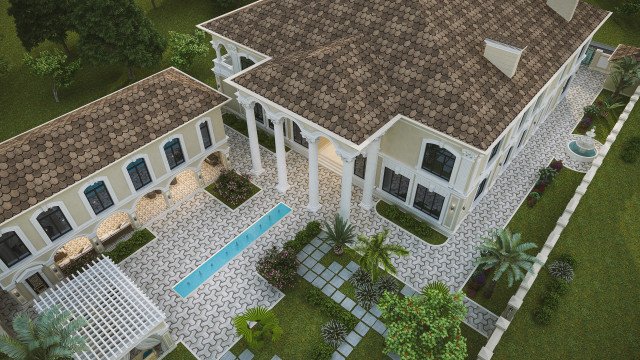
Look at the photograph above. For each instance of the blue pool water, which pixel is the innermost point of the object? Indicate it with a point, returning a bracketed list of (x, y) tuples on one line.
[(205, 271)]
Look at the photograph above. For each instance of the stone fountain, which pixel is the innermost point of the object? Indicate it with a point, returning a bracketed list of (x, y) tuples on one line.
[(583, 149)]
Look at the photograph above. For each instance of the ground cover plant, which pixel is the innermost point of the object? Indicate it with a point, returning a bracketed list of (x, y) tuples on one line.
[(232, 188), (410, 223), (126, 248)]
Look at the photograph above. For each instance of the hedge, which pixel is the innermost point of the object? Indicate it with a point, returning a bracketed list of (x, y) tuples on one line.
[(303, 237), (124, 249), (332, 308)]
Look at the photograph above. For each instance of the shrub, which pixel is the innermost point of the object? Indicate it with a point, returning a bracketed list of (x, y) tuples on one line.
[(303, 237), (360, 278), (568, 258), (125, 248), (630, 150), (551, 300), (542, 315), (557, 165), (533, 198), (558, 286), (321, 351), (585, 124), (333, 333), (279, 268), (540, 187), (331, 308), (561, 270), (367, 295), (77, 265), (592, 111), (232, 188), (547, 174), (405, 220), (387, 283)]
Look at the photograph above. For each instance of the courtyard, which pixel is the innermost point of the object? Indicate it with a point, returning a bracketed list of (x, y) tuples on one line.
[(198, 227)]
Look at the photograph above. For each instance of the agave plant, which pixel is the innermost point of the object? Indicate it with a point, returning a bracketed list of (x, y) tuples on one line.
[(257, 325), (333, 333), (359, 278), (561, 270), (387, 283), (52, 335), (368, 295), (339, 234), (504, 253)]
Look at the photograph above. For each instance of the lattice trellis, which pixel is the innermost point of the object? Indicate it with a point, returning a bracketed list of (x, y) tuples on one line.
[(118, 313)]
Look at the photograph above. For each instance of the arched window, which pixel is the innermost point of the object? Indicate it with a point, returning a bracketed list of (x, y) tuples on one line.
[(173, 151), (12, 249), (54, 223), (98, 197), (206, 135), (258, 111), (139, 173), (438, 161), (245, 62)]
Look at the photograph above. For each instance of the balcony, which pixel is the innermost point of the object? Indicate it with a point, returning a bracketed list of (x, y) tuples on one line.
[(224, 66)]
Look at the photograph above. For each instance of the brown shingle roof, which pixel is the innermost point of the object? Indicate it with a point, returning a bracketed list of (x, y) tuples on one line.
[(43, 161), (352, 65), (623, 51)]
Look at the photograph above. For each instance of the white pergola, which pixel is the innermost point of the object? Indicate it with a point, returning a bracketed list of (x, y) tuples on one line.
[(119, 315)]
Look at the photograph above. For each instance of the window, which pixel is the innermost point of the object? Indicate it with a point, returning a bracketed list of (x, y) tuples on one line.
[(297, 136), (566, 85), (98, 197), (395, 184), (522, 138), (481, 188), (259, 113), (506, 159), (360, 166), (12, 249), (428, 202), (246, 62), (206, 135), (54, 223), (495, 150), (139, 174), (438, 161), (174, 154)]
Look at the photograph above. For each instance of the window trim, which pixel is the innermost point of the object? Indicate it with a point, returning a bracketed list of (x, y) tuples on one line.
[(147, 161), (395, 172), (113, 203), (422, 159), (63, 238), (92, 181), (27, 243), (429, 174), (28, 272), (182, 150), (207, 121)]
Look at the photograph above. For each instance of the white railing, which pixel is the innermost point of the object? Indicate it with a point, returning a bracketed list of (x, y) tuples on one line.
[(223, 66)]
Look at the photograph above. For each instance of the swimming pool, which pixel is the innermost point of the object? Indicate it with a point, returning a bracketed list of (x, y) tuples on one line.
[(205, 271)]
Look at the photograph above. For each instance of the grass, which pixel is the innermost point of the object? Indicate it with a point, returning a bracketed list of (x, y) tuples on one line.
[(344, 259), (598, 318), (604, 125), (124, 249), (264, 138), (475, 341), (180, 353), (619, 28), (92, 81), (421, 229), (535, 224), (371, 347)]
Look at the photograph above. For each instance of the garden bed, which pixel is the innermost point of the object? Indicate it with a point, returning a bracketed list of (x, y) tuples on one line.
[(232, 189), (180, 353), (603, 124), (421, 229), (126, 248), (240, 125), (534, 224)]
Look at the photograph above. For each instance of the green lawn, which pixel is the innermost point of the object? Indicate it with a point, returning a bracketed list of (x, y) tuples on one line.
[(535, 224), (475, 341), (180, 353), (618, 29), (344, 259), (604, 125), (421, 229), (371, 347), (599, 317), (26, 100)]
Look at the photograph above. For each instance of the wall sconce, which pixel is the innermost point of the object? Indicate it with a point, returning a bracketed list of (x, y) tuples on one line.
[(453, 207)]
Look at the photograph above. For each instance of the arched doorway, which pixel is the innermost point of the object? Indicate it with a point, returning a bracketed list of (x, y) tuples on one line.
[(211, 168), (184, 184), (114, 228), (73, 255), (150, 206)]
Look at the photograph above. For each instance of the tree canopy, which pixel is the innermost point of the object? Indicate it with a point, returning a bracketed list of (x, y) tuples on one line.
[(186, 47), (116, 32), (53, 65), (40, 20)]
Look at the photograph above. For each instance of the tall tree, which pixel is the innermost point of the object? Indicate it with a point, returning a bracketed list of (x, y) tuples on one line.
[(376, 252), (626, 73), (425, 326), (52, 335), (116, 32), (40, 20), (505, 254), (53, 65)]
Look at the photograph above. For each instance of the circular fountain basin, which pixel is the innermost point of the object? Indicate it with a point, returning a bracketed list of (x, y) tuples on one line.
[(577, 153)]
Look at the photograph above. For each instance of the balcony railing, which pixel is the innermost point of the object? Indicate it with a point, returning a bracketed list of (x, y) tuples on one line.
[(223, 66)]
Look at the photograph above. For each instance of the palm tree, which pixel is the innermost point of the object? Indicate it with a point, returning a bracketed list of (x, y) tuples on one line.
[(504, 253), (339, 234), (51, 335), (375, 253), (626, 72), (256, 325)]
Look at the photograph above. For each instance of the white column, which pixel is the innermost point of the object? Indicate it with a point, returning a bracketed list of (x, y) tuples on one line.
[(235, 59), (218, 52), (314, 181), (347, 182), (254, 146), (464, 170), (281, 156), (370, 175)]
